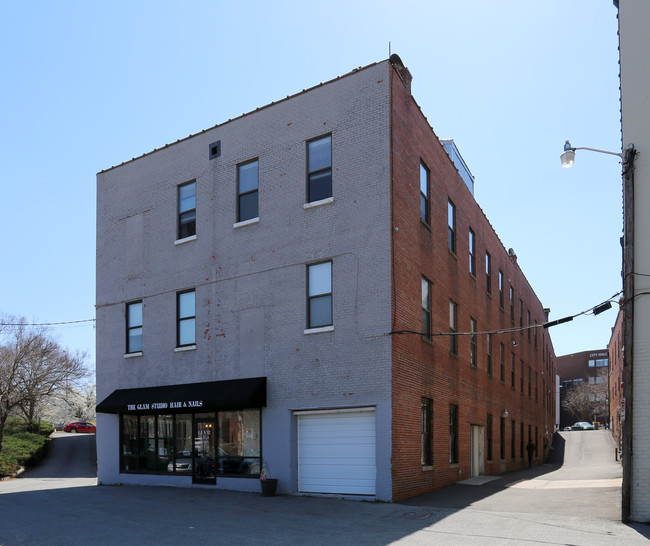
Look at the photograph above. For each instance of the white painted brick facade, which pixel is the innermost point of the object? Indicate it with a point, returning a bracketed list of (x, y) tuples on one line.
[(635, 114), (250, 281)]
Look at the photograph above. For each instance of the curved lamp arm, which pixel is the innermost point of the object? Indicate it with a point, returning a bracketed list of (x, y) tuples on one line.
[(569, 155)]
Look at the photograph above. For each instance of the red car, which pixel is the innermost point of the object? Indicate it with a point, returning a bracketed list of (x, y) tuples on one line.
[(80, 426)]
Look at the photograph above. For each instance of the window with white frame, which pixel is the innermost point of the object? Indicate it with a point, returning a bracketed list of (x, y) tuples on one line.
[(185, 318), (319, 295), (248, 184), (134, 327), (319, 169)]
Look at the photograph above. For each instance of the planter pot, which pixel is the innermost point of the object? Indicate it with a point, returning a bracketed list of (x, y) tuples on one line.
[(268, 487)]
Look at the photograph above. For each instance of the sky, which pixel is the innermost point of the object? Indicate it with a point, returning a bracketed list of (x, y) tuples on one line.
[(88, 85)]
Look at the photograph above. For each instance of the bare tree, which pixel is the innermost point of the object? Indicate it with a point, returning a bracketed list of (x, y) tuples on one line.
[(586, 400), (32, 367)]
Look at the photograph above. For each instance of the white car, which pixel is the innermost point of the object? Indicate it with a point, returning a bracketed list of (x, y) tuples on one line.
[(582, 425)]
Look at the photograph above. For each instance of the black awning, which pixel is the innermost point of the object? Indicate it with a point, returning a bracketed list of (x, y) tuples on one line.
[(212, 395)]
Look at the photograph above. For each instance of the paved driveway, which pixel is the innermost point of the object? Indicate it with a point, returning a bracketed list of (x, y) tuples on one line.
[(42, 507)]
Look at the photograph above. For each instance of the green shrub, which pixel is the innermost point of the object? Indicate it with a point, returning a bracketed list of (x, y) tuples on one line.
[(16, 425), (21, 448)]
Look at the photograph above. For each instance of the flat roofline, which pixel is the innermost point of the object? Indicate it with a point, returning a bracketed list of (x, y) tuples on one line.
[(273, 103)]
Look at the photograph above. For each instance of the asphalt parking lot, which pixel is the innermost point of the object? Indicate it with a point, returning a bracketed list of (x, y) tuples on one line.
[(550, 504)]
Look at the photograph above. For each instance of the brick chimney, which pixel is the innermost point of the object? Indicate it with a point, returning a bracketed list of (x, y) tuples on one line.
[(403, 72)]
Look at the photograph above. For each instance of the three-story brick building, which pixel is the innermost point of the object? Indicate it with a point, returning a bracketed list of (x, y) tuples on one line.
[(312, 287)]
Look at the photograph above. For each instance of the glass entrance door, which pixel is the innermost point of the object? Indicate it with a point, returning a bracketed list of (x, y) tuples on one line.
[(204, 452)]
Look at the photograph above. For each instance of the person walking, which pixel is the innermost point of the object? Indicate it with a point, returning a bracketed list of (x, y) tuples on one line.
[(531, 448)]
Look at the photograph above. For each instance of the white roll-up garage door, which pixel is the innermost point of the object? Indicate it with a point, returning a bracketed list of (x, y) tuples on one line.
[(336, 452)]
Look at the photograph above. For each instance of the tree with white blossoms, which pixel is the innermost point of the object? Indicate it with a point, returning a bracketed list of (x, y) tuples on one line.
[(33, 368), (586, 400)]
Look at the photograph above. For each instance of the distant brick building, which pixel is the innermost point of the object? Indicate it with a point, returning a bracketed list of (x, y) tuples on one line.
[(312, 287), (589, 367)]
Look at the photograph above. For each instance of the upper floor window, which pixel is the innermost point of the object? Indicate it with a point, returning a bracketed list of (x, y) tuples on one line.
[(521, 316), (424, 194), (502, 363), (134, 327), (512, 304), (501, 289), (512, 370), (451, 226), (472, 253), (489, 354), (319, 295), (426, 308), (185, 318), (187, 210), (247, 180), (488, 273), (528, 322), (453, 328), (472, 350), (319, 167)]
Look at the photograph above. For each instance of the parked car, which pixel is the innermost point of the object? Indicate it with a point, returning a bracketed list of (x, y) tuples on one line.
[(79, 426), (582, 425)]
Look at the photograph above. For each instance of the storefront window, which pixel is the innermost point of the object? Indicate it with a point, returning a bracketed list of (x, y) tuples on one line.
[(129, 451), (239, 442), (166, 443), (148, 443), (183, 444)]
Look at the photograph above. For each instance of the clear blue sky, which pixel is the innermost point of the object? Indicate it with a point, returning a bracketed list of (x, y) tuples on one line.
[(87, 85)]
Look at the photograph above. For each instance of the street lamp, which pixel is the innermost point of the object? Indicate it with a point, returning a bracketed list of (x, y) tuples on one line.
[(569, 155)]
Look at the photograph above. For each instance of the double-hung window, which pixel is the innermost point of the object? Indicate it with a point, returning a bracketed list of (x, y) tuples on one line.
[(424, 194), (502, 363), (134, 327), (185, 318), (472, 352), (451, 226), (501, 289), (426, 308), (319, 295), (488, 273), (512, 305), (187, 210), (427, 435), (247, 180), (453, 328), (472, 253), (488, 436), (502, 438), (319, 169), (453, 434), (489, 354)]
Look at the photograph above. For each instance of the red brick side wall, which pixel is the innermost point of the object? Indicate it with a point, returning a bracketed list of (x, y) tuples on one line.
[(616, 404), (426, 369)]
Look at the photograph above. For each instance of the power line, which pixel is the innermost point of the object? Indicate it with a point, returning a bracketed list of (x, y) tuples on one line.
[(46, 323)]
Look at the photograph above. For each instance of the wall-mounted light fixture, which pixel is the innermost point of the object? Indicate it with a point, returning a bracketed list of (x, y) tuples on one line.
[(505, 412), (569, 155)]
